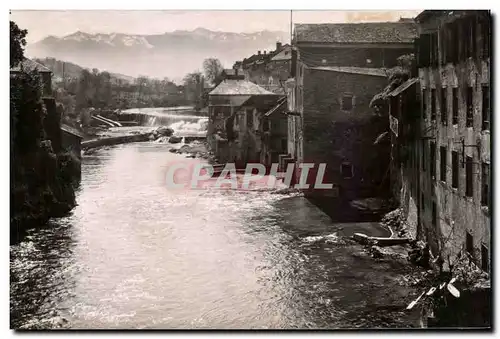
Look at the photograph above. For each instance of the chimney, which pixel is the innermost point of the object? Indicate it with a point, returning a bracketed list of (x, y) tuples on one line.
[(265, 52), (278, 46), (258, 52)]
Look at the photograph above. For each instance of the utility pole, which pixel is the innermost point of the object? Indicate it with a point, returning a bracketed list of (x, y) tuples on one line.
[(291, 26)]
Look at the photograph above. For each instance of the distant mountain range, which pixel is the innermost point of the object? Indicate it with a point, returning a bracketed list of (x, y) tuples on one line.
[(62, 68), (172, 54)]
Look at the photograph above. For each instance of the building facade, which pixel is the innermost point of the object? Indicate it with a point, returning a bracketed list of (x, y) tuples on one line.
[(336, 71), (225, 102), (268, 70), (453, 55)]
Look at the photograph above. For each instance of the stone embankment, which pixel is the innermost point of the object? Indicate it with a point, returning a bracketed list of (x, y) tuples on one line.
[(123, 139)]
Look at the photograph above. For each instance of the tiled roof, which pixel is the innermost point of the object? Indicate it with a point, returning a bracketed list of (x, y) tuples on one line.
[(28, 64), (403, 87), (371, 32), (239, 87), (381, 72)]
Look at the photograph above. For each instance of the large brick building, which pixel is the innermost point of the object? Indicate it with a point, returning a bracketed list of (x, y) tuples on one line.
[(454, 49), (336, 71)]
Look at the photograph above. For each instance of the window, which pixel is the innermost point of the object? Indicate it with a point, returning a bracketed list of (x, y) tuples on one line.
[(485, 258), (485, 184), (485, 36), (455, 106), (433, 160), (346, 170), (469, 243), (454, 164), (486, 108), (284, 145), (444, 110), (442, 156), (249, 118), (468, 177), (265, 125), (433, 104), (424, 104), (422, 198), (347, 102), (470, 108), (424, 50), (423, 155), (434, 214)]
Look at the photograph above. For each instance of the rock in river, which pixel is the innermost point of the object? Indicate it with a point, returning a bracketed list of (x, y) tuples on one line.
[(175, 140)]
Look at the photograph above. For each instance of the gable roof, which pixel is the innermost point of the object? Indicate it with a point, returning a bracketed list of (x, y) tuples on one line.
[(239, 87), (370, 32), (29, 64), (380, 72)]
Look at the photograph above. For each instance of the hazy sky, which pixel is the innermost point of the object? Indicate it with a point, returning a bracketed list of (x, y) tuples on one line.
[(59, 23)]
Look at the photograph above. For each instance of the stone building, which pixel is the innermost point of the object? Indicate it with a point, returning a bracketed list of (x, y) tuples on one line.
[(225, 101), (453, 56), (336, 70), (256, 132), (268, 70)]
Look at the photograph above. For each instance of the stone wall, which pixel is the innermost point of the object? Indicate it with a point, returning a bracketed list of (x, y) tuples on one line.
[(456, 213), (339, 137)]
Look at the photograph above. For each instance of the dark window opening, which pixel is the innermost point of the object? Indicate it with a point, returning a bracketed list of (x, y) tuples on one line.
[(249, 118), (284, 145), (346, 170), (453, 44), (469, 243), (347, 102), (455, 106), (423, 156), (422, 197), (444, 110), (454, 164), (486, 108), (434, 214), (470, 108), (443, 166), (485, 259), (424, 104), (433, 104), (433, 160), (485, 181), (265, 125), (425, 50), (468, 177), (486, 37), (434, 49)]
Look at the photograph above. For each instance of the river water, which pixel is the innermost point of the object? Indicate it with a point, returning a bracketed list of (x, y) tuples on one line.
[(135, 254)]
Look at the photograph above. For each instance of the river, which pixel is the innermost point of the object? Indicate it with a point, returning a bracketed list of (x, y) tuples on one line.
[(135, 254)]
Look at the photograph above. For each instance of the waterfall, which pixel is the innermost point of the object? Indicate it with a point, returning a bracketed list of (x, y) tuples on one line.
[(183, 122)]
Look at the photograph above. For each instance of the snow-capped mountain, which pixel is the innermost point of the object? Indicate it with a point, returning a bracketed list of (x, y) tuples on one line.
[(171, 54)]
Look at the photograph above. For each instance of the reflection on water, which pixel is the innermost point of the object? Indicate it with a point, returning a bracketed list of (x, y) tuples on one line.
[(134, 254)]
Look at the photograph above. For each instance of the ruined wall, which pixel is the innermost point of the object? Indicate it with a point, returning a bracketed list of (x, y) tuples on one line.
[(456, 212), (336, 137)]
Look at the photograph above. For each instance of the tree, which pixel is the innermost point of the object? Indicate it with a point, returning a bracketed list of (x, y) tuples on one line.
[(213, 69), (17, 43)]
